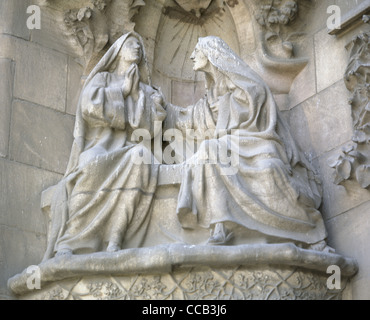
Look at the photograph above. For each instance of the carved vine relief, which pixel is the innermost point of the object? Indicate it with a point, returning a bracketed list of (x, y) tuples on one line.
[(275, 17), (91, 27), (354, 161), (197, 284)]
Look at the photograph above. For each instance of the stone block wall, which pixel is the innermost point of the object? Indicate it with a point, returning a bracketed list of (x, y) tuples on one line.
[(319, 116), (39, 87)]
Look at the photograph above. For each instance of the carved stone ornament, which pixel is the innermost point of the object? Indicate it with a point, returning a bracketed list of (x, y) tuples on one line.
[(279, 37), (193, 12), (214, 200), (91, 26), (194, 6), (354, 161), (253, 272)]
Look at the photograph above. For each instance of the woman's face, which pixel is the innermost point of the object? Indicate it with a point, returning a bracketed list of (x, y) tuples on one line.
[(200, 61), (131, 51)]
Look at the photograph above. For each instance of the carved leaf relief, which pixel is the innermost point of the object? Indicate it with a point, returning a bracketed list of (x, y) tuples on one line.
[(354, 162)]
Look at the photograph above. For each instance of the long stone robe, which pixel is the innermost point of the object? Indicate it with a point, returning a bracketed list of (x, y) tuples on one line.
[(273, 190), (107, 196)]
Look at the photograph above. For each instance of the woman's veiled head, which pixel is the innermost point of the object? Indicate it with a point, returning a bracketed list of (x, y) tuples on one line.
[(217, 52), (129, 52), (120, 51), (221, 59), (200, 60)]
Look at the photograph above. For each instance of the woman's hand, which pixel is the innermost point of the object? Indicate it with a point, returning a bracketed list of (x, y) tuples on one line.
[(131, 82), (158, 98)]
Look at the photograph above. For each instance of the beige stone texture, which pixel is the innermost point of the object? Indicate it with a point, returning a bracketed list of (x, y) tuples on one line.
[(21, 187), (8, 44), (148, 27), (13, 18), (338, 199), (40, 137), (322, 123), (304, 85), (331, 56), (186, 93), (74, 85), (22, 224), (243, 19), (348, 233), (6, 94), (49, 36), (39, 89), (18, 250), (40, 75)]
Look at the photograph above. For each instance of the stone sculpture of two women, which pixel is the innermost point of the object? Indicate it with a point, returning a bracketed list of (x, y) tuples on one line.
[(105, 197)]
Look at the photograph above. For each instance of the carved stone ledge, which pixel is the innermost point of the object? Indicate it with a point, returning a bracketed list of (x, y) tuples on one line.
[(261, 271), (351, 19)]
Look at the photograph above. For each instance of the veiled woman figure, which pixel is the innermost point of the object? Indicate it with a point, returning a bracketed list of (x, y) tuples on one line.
[(105, 196), (272, 191)]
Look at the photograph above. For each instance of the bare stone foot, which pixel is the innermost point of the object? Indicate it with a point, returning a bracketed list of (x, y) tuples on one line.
[(220, 235), (63, 252), (321, 246), (113, 247)]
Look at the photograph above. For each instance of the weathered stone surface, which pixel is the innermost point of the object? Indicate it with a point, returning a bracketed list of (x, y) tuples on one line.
[(350, 15), (21, 187), (49, 36), (322, 123), (348, 233), (332, 57), (191, 262), (304, 85), (186, 93), (40, 136), (338, 198), (40, 75), (353, 162), (6, 94), (75, 83), (22, 224), (202, 283), (13, 18), (18, 250), (46, 74)]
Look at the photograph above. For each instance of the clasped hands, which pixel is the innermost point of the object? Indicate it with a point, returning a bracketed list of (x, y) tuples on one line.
[(131, 82), (131, 86)]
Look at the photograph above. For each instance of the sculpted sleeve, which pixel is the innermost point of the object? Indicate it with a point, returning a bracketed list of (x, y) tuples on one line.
[(103, 103)]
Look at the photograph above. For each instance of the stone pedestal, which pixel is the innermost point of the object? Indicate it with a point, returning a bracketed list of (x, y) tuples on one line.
[(246, 272)]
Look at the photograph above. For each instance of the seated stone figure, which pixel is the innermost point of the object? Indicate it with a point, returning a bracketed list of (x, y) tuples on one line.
[(272, 191), (106, 200), (105, 196)]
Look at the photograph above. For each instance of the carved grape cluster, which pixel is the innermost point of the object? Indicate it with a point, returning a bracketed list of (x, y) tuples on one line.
[(283, 13), (101, 4), (75, 15)]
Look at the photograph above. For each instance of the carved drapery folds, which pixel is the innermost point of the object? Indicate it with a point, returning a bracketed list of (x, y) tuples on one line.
[(354, 161)]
